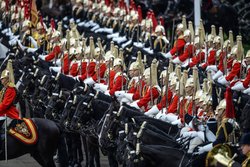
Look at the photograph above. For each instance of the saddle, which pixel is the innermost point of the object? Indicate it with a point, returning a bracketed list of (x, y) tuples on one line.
[(24, 130)]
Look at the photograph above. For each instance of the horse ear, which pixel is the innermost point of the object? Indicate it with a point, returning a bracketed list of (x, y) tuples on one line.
[(60, 94), (75, 99)]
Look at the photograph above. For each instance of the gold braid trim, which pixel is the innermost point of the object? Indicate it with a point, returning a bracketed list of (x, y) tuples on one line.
[(223, 125)]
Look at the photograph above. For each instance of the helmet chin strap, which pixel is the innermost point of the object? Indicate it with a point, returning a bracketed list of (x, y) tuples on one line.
[(6, 81)]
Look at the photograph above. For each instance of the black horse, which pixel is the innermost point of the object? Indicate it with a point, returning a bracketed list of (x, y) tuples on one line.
[(43, 150)]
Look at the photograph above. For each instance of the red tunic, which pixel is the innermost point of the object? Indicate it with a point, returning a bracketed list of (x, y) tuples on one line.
[(56, 50), (229, 62), (90, 71), (247, 79), (66, 64), (111, 79), (132, 86), (186, 106), (162, 103), (178, 47), (6, 106), (144, 102), (173, 106), (102, 68), (119, 81), (73, 69), (139, 93), (211, 59), (234, 72), (188, 53), (83, 68), (197, 59)]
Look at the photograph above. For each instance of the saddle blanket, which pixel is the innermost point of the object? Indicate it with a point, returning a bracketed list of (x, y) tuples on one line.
[(24, 130)]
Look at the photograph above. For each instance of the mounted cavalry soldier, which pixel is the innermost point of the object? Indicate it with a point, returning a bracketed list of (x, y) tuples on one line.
[(151, 90), (8, 94), (179, 44), (56, 49), (243, 85), (226, 123)]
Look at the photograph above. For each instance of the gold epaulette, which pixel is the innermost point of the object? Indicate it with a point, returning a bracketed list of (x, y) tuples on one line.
[(10, 84), (181, 37), (246, 163), (35, 35)]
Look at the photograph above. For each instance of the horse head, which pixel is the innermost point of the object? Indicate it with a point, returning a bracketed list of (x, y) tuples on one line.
[(55, 105), (83, 113)]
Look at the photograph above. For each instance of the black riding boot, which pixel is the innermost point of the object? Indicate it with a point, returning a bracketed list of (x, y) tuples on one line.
[(2, 136)]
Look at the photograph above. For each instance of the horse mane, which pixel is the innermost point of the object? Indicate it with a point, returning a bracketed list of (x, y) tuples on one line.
[(128, 111), (103, 97), (163, 155), (164, 126)]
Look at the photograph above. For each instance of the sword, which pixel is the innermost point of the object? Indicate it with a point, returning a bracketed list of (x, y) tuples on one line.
[(6, 140), (166, 89), (151, 91)]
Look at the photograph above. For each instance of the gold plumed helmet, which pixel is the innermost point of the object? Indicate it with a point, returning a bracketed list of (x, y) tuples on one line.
[(154, 72), (183, 82), (122, 58), (191, 29), (134, 66), (171, 66), (217, 39), (173, 81), (116, 51), (240, 49), (198, 94), (205, 85), (180, 27), (196, 40), (149, 23), (201, 36), (178, 72), (202, 29), (196, 79), (140, 62), (184, 22), (97, 52), (55, 34), (92, 47), (108, 56), (248, 54), (112, 46), (39, 26), (26, 23), (79, 50), (4, 74), (163, 74), (72, 41), (222, 105), (226, 44), (187, 33), (72, 51), (118, 62), (210, 38), (221, 35), (190, 82), (213, 30), (231, 37), (8, 72), (151, 73), (160, 28), (234, 50)]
